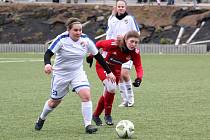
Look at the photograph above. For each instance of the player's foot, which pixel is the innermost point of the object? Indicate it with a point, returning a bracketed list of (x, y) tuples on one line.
[(131, 101), (130, 104), (108, 120), (39, 124), (97, 120), (123, 104), (90, 129)]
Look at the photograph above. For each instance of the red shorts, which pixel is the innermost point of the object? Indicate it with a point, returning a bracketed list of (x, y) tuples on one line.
[(102, 73)]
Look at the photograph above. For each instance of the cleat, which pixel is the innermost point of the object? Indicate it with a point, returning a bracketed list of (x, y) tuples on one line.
[(97, 120), (123, 105), (108, 120), (39, 124), (130, 105), (90, 129)]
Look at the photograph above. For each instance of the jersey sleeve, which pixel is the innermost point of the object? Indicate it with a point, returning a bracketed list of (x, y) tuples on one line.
[(56, 44), (134, 24), (136, 57), (92, 47), (105, 44), (109, 31)]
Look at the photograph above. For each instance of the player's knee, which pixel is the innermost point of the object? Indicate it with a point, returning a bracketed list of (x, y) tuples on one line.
[(125, 75), (86, 98), (110, 87), (84, 94), (53, 103)]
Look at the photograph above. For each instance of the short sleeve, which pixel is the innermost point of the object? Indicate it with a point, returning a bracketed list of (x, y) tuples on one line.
[(91, 47)]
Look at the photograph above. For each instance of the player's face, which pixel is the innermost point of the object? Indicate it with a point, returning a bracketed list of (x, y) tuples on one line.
[(121, 7), (75, 32), (132, 43)]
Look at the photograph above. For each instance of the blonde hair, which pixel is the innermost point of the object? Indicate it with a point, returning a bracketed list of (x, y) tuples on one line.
[(69, 23)]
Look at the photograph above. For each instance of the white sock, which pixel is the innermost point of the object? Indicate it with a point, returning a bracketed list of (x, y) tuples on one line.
[(87, 112), (46, 111), (130, 94), (123, 92)]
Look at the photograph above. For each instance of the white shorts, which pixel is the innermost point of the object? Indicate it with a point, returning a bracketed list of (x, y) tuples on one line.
[(127, 65), (60, 84)]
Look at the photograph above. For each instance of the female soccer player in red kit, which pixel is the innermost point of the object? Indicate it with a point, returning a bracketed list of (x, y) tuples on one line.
[(116, 52)]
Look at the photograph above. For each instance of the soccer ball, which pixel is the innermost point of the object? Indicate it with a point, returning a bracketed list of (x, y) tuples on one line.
[(124, 129)]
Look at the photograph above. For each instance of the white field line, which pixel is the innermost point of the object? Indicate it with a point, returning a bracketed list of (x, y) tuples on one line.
[(19, 60), (13, 58)]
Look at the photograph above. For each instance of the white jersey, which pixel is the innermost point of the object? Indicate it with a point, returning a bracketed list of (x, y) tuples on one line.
[(120, 27), (70, 54)]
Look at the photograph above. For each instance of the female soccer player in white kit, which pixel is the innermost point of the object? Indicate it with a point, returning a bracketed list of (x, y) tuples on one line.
[(70, 48), (119, 23)]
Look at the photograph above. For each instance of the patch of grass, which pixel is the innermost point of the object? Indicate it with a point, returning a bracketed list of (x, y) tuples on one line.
[(171, 104)]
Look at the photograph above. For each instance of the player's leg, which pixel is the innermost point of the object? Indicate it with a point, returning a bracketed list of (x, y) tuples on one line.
[(100, 104), (48, 107), (127, 94), (86, 107), (108, 100), (99, 109), (130, 95), (58, 90), (81, 85), (123, 92)]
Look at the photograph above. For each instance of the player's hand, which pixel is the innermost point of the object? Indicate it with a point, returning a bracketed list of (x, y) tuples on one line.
[(114, 10), (120, 37), (89, 60), (48, 68), (137, 82), (111, 77), (119, 40)]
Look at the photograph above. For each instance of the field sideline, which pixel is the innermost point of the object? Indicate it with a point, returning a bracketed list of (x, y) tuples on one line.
[(171, 104)]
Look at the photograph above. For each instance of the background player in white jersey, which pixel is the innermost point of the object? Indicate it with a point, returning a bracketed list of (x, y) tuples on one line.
[(70, 48), (119, 23)]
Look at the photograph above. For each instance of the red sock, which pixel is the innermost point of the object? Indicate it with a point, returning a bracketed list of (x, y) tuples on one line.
[(100, 107), (108, 101)]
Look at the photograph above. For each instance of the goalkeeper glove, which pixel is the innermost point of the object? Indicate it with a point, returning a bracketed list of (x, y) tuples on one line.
[(89, 60), (137, 82)]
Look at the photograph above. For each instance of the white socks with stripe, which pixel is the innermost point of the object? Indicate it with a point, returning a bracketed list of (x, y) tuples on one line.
[(46, 111), (87, 112), (130, 94), (123, 92)]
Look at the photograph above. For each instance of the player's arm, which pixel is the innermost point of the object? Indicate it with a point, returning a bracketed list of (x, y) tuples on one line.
[(102, 44), (54, 46), (105, 44), (108, 33), (109, 28), (134, 24), (97, 55), (103, 63), (47, 61), (136, 57)]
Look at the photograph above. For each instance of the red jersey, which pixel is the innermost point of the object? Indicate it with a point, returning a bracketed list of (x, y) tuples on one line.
[(115, 57)]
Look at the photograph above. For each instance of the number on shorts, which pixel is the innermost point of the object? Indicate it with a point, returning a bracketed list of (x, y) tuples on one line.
[(55, 93)]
